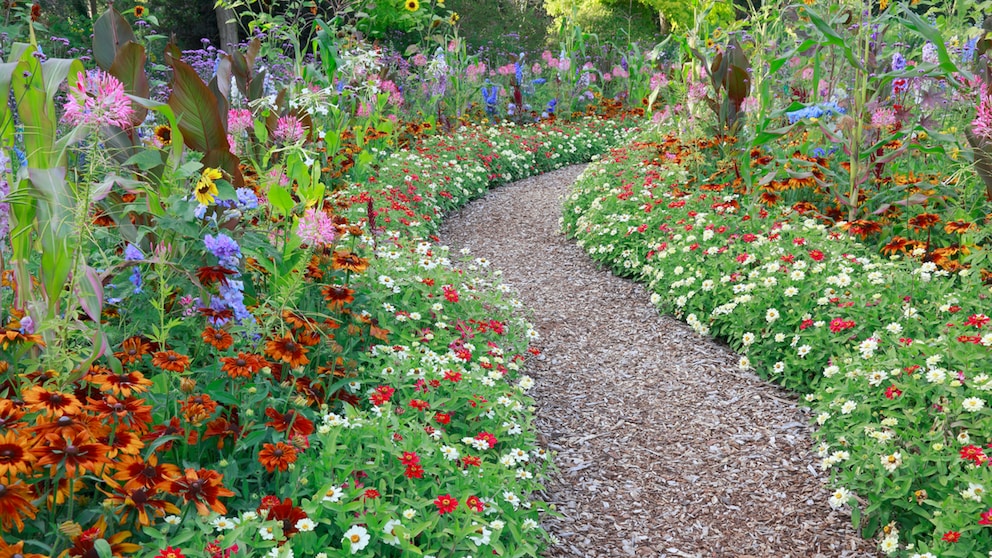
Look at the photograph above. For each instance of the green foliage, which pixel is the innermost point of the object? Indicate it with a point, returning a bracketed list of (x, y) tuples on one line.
[(502, 26), (680, 14), (615, 21)]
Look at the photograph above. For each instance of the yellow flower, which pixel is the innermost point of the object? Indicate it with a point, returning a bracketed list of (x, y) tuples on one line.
[(454, 18), (882, 4), (206, 190), (412, 5)]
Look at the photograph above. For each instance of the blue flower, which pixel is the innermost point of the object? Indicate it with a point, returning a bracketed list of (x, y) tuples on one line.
[(538, 81), (898, 62), (224, 248), (247, 198), (814, 111)]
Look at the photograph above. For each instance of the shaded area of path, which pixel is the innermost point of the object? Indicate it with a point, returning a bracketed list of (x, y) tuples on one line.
[(663, 447)]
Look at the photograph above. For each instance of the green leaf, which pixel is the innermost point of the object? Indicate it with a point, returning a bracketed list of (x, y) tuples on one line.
[(110, 32), (281, 200), (146, 159), (832, 38)]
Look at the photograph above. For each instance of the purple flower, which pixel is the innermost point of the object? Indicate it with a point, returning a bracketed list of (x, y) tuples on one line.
[(224, 248), (898, 62), (131, 254), (27, 325), (247, 198)]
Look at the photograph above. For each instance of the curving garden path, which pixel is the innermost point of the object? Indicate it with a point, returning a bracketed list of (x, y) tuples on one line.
[(663, 447)]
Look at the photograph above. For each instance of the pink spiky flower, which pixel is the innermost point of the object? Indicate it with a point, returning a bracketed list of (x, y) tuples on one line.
[(98, 98), (982, 124), (289, 129), (316, 228)]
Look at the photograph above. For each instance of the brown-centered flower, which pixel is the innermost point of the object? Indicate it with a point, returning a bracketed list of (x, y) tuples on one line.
[(277, 456), (288, 350), (202, 488), (171, 361), (219, 339), (51, 402), (15, 505), (349, 261)]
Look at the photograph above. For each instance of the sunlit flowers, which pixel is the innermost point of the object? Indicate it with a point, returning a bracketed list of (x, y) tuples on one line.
[(206, 190), (98, 98)]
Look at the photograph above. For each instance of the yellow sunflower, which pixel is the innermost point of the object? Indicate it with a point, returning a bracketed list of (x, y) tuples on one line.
[(163, 133), (411, 5), (206, 190)]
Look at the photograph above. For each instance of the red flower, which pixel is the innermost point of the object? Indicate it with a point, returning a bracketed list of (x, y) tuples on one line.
[(986, 517), (419, 404), (977, 320), (816, 255), (472, 461), (974, 453), (414, 472), (381, 395), (473, 502), (409, 458), (489, 438), (892, 392), (951, 536), (442, 418), (447, 504), (370, 494)]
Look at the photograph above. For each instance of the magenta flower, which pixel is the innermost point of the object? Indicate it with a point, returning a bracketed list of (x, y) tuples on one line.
[(98, 98), (316, 228), (883, 117), (982, 124), (289, 129)]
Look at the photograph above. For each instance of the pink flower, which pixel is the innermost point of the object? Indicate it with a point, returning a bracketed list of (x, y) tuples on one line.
[(620, 73), (98, 98), (507, 70), (239, 120), (982, 124), (536, 69), (419, 60), (883, 117), (289, 129), (316, 228), (364, 109), (658, 80)]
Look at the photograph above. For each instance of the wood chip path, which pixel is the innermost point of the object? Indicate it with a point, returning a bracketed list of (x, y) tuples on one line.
[(663, 447)]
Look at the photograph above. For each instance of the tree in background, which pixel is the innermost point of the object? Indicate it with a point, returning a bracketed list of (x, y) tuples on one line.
[(665, 15)]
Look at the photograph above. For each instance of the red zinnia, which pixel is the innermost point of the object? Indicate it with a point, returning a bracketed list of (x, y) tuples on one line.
[(170, 552), (973, 453), (445, 504), (986, 517), (951, 537), (473, 502)]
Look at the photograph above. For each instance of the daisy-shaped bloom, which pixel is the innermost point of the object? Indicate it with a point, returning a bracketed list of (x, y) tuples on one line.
[(277, 456), (142, 502), (16, 549), (357, 537), (286, 349), (163, 135), (128, 411), (198, 408), (924, 221), (77, 454), (290, 421), (349, 261), (171, 361), (223, 429), (245, 365), (98, 98), (214, 274), (973, 404), (124, 384), (446, 503), (84, 543), (286, 513), (52, 403), (132, 349), (219, 339), (206, 190), (202, 488), (16, 458), (138, 472)]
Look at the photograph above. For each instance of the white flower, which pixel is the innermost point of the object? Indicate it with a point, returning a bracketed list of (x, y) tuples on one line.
[(483, 538), (222, 523), (305, 525), (357, 536), (512, 499), (839, 498), (409, 513), (936, 376), (892, 461), (779, 367), (975, 492), (964, 438), (804, 350), (267, 533), (744, 363), (333, 494), (890, 545), (924, 555), (772, 315), (822, 418), (790, 292), (848, 407), (496, 524), (389, 532), (747, 339), (973, 404), (173, 519), (894, 328), (831, 370), (526, 382)]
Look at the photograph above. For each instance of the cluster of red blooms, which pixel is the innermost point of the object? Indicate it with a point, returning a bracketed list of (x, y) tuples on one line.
[(411, 461)]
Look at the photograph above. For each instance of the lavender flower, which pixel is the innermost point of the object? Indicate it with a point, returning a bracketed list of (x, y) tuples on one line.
[(4, 192), (224, 248), (898, 62), (247, 198), (132, 254)]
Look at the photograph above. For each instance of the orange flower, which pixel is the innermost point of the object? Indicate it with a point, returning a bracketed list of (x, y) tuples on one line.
[(16, 549), (245, 365), (124, 384), (168, 430), (337, 296), (349, 261), (65, 425), (16, 458), (897, 244), (287, 350), (863, 228), (123, 442), (277, 456), (10, 415), (84, 544), (52, 403), (960, 227), (198, 408), (290, 421), (138, 472), (129, 412), (141, 501), (222, 429), (203, 488), (15, 505), (171, 361), (218, 338), (76, 453), (297, 321), (924, 221), (132, 349)]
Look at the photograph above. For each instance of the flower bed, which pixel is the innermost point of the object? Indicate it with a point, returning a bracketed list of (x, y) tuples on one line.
[(892, 354), (329, 391)]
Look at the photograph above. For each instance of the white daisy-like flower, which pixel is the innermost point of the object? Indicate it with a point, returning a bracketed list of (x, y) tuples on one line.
[(358, 537), (892, 461), (772, 315), (222, 523), (973, 404), (305, 525), (389, 532), (333, 494), (839, 498)]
